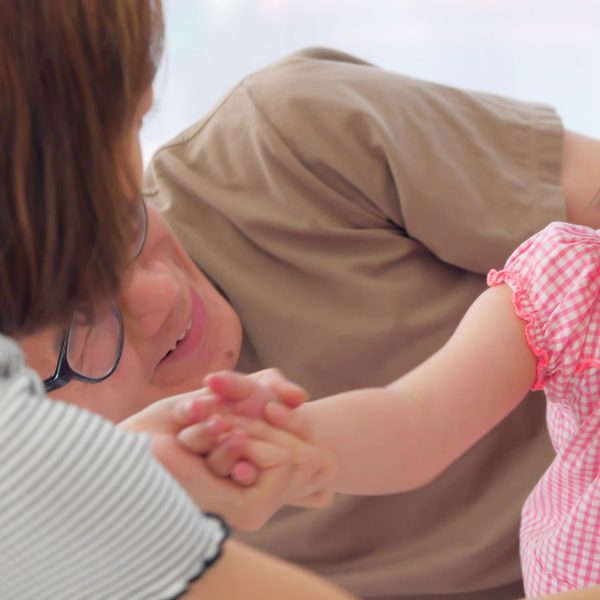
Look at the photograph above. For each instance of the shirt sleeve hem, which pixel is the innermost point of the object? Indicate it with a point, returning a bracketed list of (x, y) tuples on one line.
[(527, 313), (206, 563)]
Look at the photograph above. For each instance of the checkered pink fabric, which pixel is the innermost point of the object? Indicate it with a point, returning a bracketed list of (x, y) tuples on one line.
[(555, 277)]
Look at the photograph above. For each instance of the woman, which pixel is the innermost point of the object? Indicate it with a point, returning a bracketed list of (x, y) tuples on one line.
[(85, 509)]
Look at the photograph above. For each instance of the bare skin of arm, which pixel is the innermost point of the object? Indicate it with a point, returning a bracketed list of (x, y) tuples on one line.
[(589, 594), (242, 572), (415, 427), (245, 573), (580, 179)]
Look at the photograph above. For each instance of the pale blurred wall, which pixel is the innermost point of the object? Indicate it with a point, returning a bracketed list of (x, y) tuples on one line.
[(544, 50)]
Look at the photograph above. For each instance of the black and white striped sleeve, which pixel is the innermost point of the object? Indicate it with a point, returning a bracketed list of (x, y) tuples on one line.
[(85, 510)]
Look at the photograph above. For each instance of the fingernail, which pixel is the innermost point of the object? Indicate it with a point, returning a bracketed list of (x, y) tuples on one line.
[(184, 410), (213, 424), (243, 472), (195, 408)]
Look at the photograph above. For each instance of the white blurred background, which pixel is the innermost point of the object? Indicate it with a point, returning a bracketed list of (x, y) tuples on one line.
[(541, 50)]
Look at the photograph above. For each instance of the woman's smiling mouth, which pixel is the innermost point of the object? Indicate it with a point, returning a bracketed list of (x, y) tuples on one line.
[(179, 339), (186, 343)]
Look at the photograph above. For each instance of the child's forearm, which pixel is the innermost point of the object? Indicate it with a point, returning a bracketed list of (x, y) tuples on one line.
[(589, 594), (398, 438), (378, 442)]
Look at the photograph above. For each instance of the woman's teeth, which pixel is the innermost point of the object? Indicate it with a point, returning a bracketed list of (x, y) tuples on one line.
[(185, 332)]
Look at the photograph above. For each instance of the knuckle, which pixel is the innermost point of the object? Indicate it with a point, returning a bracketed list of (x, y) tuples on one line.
[(265, 390), (279, 377), (271, 377), (274, 372)]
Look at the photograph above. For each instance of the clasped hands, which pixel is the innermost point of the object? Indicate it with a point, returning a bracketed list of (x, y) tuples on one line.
[(239, 448)]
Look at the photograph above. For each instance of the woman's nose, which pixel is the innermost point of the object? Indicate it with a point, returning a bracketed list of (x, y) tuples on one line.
[(151, 292)]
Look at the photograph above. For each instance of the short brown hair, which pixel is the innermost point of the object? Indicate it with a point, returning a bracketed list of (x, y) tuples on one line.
[(72, 73)]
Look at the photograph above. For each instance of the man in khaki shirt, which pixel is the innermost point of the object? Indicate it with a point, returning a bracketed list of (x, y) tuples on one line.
[(349, 215)]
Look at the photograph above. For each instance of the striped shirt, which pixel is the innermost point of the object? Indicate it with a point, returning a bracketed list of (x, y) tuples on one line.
[(85, 510)]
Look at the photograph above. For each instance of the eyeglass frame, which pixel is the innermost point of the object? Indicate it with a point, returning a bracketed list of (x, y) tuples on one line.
[(64, 373)]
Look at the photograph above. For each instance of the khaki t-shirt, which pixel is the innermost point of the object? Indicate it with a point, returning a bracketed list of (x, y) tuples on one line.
[(349, 214)]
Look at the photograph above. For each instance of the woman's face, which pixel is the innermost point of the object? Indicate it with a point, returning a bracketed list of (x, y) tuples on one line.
[(178, 327)]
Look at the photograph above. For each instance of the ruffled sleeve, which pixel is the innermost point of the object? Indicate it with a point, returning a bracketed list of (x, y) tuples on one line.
[(555, 279)]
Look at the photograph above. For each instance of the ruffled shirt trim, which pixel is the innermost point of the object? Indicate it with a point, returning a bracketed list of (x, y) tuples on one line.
[(525, 310)]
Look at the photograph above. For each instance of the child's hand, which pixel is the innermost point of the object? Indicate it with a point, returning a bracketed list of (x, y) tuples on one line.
[(218, 438), (231, 393), (249, 507), (296, 424), (219, 442), (245, 395), (236, 441), (282, 470)]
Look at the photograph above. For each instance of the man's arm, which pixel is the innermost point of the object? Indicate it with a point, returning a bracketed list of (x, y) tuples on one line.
[(580, 179)]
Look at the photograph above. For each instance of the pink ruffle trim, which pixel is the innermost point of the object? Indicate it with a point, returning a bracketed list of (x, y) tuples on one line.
[(525, 311)]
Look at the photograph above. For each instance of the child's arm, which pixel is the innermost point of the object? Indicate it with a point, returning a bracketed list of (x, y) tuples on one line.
[(393, 439), (588, 594), (400, 437)]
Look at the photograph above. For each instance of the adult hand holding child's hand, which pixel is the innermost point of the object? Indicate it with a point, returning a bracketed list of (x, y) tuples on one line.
[(243, 408), (275, 467)]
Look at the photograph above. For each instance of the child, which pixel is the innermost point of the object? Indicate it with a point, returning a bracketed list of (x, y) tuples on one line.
[(537, 327)]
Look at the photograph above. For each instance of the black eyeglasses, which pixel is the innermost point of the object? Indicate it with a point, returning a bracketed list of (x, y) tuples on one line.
[(90, 350)]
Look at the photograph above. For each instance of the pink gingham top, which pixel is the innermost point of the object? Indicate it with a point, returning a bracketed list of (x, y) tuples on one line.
[(555, 276)]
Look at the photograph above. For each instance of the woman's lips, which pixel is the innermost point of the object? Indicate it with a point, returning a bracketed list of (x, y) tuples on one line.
[(188, 344)]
